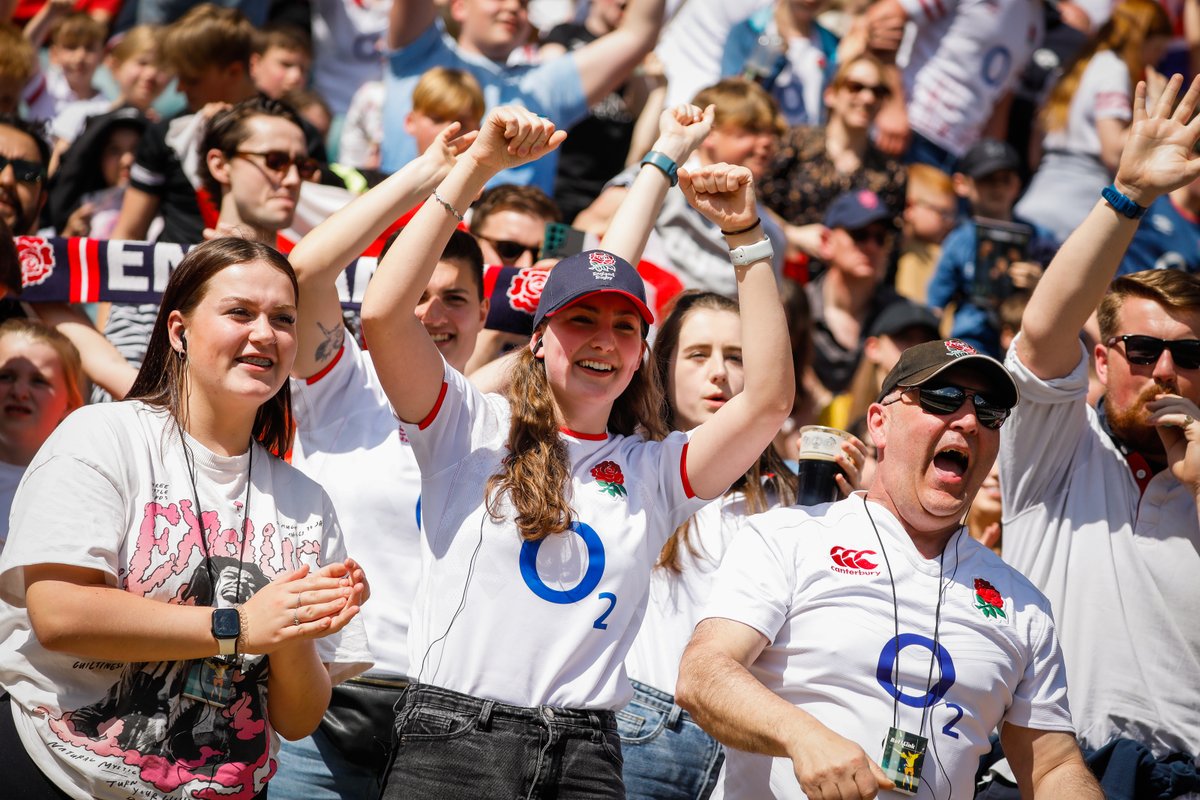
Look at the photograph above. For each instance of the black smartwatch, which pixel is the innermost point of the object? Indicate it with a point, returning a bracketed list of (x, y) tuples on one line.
[(226, 628)]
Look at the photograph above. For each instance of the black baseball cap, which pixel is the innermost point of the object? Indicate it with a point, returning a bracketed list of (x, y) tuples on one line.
[(856, 209), (587, 273), (988, 156), (901, 315), (924, 362)]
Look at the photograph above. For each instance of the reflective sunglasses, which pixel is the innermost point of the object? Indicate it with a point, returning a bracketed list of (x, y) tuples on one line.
[(281, 162), (1146, 350), (878, 89), (945, 400), (24, 171), (510, 250)]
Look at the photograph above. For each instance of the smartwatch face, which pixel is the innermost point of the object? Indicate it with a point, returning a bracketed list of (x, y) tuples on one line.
[(225, 623)]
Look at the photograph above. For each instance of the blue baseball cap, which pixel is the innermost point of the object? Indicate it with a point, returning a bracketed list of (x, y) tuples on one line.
[(587, 273), (856, 209)]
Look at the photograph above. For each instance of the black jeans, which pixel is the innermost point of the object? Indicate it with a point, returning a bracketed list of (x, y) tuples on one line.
[(20, 775), (454, 746)]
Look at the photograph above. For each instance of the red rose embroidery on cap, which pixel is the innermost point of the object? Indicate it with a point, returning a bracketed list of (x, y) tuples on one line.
[(526, 289), (37, 260)]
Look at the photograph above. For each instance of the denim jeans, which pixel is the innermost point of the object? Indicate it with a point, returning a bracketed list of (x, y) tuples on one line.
[(667, 755), (454, 746), (312, 768)]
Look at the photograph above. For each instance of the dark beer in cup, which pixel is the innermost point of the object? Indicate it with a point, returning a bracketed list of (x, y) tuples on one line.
[(817, 469)]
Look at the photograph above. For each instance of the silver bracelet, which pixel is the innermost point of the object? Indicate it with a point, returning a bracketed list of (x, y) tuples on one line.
[(447, 206)]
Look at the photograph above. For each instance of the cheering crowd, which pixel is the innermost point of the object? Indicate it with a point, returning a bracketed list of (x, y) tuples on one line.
[(407, 399)]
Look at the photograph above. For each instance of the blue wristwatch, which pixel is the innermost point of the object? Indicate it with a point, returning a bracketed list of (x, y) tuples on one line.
[(1121, 203), (663, 162)]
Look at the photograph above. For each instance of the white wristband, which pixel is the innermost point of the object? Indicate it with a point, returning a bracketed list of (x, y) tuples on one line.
[(749, 253)]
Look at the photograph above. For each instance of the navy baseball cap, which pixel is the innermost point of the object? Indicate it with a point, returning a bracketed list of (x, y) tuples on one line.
[(856, 209), (988, 156), (587, 273)]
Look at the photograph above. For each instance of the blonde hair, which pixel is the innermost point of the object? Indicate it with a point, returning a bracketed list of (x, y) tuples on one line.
[(447, 94), (931, 179), (1132, 22), (16, 54), (137, 40), (68, 356), (744, 104), (535, 475)]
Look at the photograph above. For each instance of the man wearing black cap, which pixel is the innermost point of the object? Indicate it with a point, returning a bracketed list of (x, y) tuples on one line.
[(871, 643), (850, 293), (966, 276)]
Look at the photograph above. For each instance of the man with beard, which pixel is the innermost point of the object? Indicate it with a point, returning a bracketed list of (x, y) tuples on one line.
[(23, 158), (1100, 503), (816, 661)]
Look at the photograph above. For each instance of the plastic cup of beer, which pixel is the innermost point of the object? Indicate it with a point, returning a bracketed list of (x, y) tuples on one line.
[(819, 446)]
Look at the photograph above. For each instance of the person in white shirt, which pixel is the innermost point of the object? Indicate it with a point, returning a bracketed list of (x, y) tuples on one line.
[(872, 645), (160, 551), (542, 514), (1100, 502)]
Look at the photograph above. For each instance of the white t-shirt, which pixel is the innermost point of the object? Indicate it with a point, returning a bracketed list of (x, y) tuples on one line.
[(1104, 92), (815, 583), (348, 47), (1120, 565), (965, 54), (676, 598), (10, 476), (349, 441), (692, 42), (362, 133), (111, 490), (547, 622)]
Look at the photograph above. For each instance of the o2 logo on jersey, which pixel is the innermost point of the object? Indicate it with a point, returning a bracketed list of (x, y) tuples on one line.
[(996, 65), (887, 666), (588, 583)]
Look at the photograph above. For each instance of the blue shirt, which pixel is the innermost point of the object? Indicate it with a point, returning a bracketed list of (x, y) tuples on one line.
[(552, 89), (1167, 238), (955, 275)]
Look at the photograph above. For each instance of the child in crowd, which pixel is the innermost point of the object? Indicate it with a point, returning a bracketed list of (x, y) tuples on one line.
[(988, 180), (76, 50), (88, 187), (930, 211), (17, 66), (442, 95), (281, 61), (312, 108)]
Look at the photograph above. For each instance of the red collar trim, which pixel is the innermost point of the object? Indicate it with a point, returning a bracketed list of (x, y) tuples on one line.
[(1140, 469), (587, 437), (1183, 212)]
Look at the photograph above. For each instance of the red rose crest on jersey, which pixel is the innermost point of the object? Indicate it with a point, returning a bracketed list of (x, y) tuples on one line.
[(608, 476), (957, 348), (603, 265), (854, 562), (37, 260), (526, 289), (988, 600)]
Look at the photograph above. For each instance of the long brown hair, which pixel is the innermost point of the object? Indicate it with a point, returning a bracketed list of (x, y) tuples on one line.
[(162, 380), (768, 475), (1131, 24), (536, 474)]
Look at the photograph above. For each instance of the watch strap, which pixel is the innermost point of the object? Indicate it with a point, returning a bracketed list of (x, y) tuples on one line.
[(664, 162), (1121, 203), (227, 647), (749, 253)]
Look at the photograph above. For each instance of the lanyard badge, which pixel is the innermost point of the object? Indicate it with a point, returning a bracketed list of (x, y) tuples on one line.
[(903, 757), (210, 681)]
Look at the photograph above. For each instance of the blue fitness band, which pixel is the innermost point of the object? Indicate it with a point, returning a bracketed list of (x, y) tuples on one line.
[(663, 162), (1121, 203)]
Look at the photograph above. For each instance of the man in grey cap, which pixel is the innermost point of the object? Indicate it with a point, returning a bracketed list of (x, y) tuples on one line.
[(871, 644)]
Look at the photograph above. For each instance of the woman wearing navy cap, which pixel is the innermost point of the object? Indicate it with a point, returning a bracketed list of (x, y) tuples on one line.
[(542, 513)]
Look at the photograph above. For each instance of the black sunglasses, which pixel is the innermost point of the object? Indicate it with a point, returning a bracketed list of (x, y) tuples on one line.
[(24, 171), (510, 250), (1146, 350), (281, 162), (945, 400), (878, 89), (877, 235)]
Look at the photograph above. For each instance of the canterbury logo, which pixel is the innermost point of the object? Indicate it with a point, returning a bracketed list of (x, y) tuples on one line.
[(853, 561)]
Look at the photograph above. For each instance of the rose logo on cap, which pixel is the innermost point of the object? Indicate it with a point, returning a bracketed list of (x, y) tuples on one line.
[(957, 347), (868, 199), (526, 288), (603, 265)]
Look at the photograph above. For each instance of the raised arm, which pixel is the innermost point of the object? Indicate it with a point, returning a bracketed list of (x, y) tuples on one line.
[(683, 128), (102, 362), (321, 255), (605, 63), (1158, 158), (724, 446), (407, 20), (406, 359), (716, 687)]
